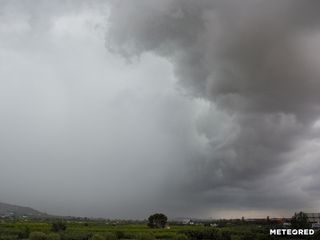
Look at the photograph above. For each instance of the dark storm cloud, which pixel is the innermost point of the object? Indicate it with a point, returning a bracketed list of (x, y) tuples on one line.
[(84, 132), (257, 61)]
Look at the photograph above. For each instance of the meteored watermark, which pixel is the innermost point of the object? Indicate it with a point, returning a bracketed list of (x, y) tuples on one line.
[(289, 232)]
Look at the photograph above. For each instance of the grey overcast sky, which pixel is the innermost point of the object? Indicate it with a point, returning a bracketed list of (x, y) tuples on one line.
[(123, 108)]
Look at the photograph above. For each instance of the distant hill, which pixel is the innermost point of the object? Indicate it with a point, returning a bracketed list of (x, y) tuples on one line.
[(8, 210)]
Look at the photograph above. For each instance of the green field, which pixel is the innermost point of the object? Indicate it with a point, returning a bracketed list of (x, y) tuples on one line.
[(99, 230)]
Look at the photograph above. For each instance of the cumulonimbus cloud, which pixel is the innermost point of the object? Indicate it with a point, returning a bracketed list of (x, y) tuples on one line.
[(256, 61)]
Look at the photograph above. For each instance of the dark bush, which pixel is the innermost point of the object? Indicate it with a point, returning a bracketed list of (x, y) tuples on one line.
[(144, 236), (249, 236), (97, 237), (24, 233), (225, 236), (53, 236), (38, 236), (75, 236), (180, 237), (8, 237), (129, 235), (206, 233), (110, 236), (119, 234), (58, 226)]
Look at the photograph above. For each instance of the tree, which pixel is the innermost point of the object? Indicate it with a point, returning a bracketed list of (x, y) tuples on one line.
[(157, 220), (300, 221)]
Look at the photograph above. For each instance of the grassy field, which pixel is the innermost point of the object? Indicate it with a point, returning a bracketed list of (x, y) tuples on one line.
[(76, 230)]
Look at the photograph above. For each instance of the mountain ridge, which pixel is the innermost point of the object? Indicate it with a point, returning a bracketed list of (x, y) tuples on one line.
[(11, 210)]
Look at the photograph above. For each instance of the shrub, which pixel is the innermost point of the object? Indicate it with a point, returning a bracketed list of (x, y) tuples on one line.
[(75, 236), (37, 236), (206, 233), (58, 226), (53, 236), (8, 237), (119, 234), (226, 236), (110, 236), (180, 237), (249, 236), (129, 235), (144, 236), (97, 237), (24, 233)]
